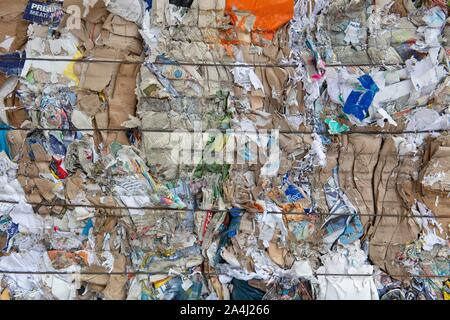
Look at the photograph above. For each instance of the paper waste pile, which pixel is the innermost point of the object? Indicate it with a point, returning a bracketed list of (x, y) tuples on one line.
[(224, 149)]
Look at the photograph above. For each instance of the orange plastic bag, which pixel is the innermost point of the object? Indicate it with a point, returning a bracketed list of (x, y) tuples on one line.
[(270, 15)]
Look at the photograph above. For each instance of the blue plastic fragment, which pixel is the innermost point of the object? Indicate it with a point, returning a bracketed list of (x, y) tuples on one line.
[(293, 194), (4, 139), (358, 102), (234, 225), (87, 227), (353, 231), (11, 64), (236, 212)]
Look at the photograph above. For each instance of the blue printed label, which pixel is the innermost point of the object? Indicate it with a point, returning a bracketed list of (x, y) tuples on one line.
[(293, 194), (39, 12)]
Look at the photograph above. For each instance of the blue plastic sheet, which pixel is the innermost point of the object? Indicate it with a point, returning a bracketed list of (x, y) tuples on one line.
[(359, 101), (87, 227), (4, 139), (11, 64)]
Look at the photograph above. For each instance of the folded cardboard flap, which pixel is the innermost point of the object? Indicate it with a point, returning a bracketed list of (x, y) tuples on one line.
[(358, 158), (123, 101), (13, 9), (387, 233), (435, 176), (93, 14), (87, 34), (99, 280), (15, 29), (12, 26), (101, 121), (115, 288), (16, 114), (434, 179), (15, 141), (45, 188), (127, 44), (39, 153), (121, 27), (88, 103), (96, 76)]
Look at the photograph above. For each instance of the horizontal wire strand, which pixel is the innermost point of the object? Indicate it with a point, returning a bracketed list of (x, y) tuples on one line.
[(211, 131), (140, 272), (55, 204), (200, 64)]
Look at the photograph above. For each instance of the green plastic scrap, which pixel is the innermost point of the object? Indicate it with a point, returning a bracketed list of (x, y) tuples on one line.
[(335, 127), (30, 77)]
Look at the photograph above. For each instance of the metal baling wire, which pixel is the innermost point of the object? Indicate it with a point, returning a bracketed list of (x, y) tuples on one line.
[(312, 214), (205, 64), (229, 130), (140, 272)]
